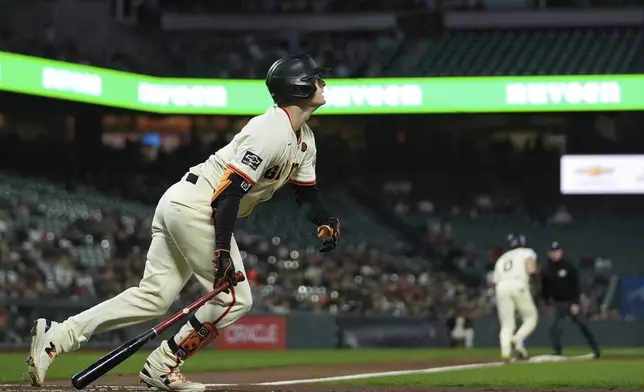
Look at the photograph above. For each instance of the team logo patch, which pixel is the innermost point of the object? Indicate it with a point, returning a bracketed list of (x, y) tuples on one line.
[(304, 147), (252, 160)]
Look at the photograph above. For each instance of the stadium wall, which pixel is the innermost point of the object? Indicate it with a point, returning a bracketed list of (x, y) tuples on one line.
[(303, 330)]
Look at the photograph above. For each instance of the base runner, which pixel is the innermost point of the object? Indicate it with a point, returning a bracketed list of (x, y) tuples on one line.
[(512, 274), (192, 232)]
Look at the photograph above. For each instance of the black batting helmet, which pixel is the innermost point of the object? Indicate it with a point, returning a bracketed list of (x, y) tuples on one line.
[(292, 78), (516, 241)]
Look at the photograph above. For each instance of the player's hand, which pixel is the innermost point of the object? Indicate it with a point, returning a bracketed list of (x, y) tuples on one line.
[(224, 269), (329, 233), (574, 309)]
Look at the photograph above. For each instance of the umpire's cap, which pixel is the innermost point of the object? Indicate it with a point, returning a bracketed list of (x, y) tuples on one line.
[(292, 78), (555, 245), (516, 241)]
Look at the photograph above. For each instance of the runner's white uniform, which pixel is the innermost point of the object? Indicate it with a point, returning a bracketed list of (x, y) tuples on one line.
[(512, 289)]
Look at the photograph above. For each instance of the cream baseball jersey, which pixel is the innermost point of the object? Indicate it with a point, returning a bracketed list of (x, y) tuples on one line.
[(267, 154), (512, 265)]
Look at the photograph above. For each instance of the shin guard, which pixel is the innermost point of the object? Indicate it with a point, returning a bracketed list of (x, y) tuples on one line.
[(192, 337)]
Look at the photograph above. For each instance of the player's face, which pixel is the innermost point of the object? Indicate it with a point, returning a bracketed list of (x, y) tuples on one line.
[(318, 98), (555, 255)]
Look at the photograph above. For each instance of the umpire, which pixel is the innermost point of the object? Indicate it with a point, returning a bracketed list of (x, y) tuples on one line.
[(561, 292)]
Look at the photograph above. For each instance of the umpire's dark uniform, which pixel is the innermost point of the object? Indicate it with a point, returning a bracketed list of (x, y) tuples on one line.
[(561, 289)]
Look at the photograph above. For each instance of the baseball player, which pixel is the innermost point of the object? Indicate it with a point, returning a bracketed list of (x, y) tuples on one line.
[(192, 232), (512, 274)]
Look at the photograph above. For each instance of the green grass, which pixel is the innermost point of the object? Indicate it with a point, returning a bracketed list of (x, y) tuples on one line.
[(67, 365), (578, 374)]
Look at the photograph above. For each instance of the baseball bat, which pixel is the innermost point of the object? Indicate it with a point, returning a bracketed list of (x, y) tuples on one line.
[(123, 352)]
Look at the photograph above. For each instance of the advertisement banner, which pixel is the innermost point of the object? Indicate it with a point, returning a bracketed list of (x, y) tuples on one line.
[(632, 299), (254, 333), (55, 79), (602, 174), (358, 332)]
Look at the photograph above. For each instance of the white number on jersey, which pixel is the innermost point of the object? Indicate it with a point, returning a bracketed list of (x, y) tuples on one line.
[(512, 265)]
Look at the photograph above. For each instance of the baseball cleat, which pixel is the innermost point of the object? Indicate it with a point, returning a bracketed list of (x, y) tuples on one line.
[(168, 379), (522, 353), (42, 352), (518, 350)]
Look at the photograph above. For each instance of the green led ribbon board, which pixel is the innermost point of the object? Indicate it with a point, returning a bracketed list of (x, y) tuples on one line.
[(55, 79)]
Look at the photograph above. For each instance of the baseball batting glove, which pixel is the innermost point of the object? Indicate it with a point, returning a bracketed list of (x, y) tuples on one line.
[(224, 269), (330, 234)]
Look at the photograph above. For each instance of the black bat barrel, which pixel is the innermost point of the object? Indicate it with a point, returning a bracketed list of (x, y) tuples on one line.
[(111, 360)]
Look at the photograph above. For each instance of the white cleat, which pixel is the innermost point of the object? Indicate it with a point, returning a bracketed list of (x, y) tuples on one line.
[(168, 379), (519, 350), (43, 350), (522, 353)]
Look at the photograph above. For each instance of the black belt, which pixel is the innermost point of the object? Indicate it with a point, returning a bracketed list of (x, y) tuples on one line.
[(191, 177)]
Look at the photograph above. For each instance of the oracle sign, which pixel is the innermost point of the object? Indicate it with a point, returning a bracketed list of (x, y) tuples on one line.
[(254, 333)]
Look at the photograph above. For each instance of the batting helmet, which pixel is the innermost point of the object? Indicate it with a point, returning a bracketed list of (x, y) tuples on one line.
[(516, 241), (292, 78)]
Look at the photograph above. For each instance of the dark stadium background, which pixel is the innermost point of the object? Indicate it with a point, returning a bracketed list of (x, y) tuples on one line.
[(425, 200)]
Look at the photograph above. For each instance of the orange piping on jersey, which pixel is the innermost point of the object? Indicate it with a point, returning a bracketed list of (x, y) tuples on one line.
[(303, 183), (240, 173), (222, 185)]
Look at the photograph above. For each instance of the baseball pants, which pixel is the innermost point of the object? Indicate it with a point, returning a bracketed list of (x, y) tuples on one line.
[(510, 297), (561, 312), (183, 243)]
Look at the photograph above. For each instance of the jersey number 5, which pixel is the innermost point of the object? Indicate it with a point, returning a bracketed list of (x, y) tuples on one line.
[(507, 266)]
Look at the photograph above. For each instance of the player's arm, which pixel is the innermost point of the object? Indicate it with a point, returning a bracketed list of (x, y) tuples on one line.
[(240, 176), (496, 276), (225, 204), (533, 272), (309, 200)]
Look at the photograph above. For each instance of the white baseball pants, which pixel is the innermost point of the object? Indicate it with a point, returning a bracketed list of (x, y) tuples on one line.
[(513, 295)]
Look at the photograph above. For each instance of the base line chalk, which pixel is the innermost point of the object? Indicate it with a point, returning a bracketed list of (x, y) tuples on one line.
[(440, 369), (374, 375)]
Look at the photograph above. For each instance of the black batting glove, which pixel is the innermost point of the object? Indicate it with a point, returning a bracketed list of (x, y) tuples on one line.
[(224, 269), (330, 234)]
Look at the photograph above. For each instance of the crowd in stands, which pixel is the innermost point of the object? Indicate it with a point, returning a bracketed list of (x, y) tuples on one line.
[(48, 252), (64, 240), (468, 218)]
